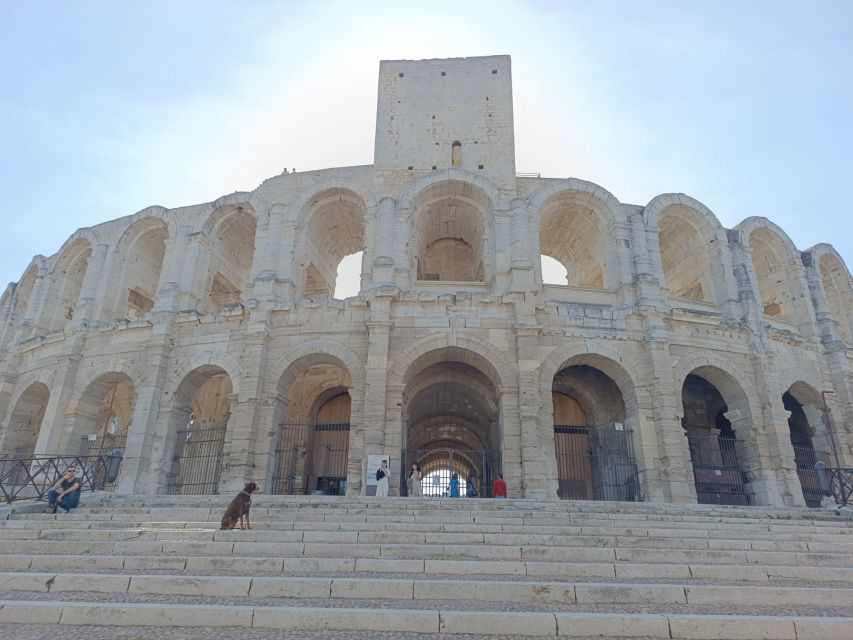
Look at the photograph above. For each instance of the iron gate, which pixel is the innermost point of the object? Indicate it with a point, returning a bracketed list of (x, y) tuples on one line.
[(312, 458), (806, 458), (596, 463), (717, 471), (438, 466), (197, 463), (102, 446)]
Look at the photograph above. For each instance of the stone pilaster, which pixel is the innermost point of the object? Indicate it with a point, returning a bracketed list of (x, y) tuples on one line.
[(535, 470), (380, 432), (93, 290)]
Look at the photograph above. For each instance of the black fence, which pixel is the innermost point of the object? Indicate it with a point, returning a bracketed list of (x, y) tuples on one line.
[(30, 477), (479, 468), (102, 445), (806, 458), (596, 463), (840, 481), (717, 470), (197, 462), (311, 459)]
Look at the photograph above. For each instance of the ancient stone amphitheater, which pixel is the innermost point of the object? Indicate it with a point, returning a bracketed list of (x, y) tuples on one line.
[(672, 360)]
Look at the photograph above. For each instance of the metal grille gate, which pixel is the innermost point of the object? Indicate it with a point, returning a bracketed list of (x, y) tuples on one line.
[(805, 458), (102, 445), (596, 463), (197, 463), (312, 458), (439, 465), (717, 472)]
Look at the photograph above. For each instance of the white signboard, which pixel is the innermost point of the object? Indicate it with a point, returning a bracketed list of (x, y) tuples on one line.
[(619, 426), (373, 463)]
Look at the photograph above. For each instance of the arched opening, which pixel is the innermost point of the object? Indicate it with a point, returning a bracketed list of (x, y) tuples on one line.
[(572, 231), (332, 234), (23, 295), (313, 413), (593, 446), (348, 280), (199, 419), (839, 294), (451, 422), (450, 232), (687, 251), (719, 457), (103, 415), (456, 154), (68, 282), (553, 271), (778, 276), (25, 422), (232, 249), (143, 262), (807, 427)]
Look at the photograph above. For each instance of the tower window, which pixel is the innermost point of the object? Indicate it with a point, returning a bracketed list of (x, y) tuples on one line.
[(456, 154)]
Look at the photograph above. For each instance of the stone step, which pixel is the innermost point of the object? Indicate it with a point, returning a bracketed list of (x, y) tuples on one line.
[(505, 553), (405, 536), (465, 514), (259, 565), (444, 504), (539, 592), (443, 621), (61, 522)]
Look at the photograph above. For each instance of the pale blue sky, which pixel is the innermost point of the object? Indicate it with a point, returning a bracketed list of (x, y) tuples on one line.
[(109, 107)]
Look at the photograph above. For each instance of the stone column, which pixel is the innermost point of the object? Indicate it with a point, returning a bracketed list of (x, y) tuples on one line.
[(529, 461), (646, 277), (769, 444), (54, 436), (664, 454), (404, 249), (193, 277), (286, 289), (521, 253), (144, 469), (383, 264), (246, 438), (379, 435), (840, 369), (86, 308)]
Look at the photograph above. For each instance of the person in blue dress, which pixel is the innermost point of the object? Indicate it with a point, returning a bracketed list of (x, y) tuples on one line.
[(454, 486)]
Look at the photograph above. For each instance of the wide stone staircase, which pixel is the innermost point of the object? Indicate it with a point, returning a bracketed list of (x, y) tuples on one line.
[(151, 566)]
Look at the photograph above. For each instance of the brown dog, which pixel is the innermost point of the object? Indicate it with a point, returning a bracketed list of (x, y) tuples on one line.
[(239, 508)]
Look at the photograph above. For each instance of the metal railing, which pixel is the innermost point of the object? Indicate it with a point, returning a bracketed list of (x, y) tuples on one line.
[(311, 458), (197, 463), (596, 463), (717, 472), (836, 482), (806, 458), (841, 485), (30, 477)]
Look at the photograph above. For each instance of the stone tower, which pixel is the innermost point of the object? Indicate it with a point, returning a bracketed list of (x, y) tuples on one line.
[(434, 114)]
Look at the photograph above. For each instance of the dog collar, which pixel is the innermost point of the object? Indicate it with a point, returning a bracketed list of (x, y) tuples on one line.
[(248, 495)]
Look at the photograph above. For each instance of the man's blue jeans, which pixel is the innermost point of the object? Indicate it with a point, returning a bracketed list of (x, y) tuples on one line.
[(69, 501)]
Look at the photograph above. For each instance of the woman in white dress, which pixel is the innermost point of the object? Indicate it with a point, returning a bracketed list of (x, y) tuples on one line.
[(383, 475), (414, 481)]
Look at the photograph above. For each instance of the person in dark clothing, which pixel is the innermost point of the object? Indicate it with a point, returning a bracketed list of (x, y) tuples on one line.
[(471, 487), (65, 493)]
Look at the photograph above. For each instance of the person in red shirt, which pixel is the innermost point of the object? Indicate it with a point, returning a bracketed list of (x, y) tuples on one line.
[(499, 487)]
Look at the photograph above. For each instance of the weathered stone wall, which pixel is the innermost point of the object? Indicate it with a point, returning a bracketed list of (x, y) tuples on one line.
[(165, 300)]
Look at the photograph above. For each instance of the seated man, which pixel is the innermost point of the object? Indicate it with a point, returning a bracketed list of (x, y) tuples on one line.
[(65, 493)]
